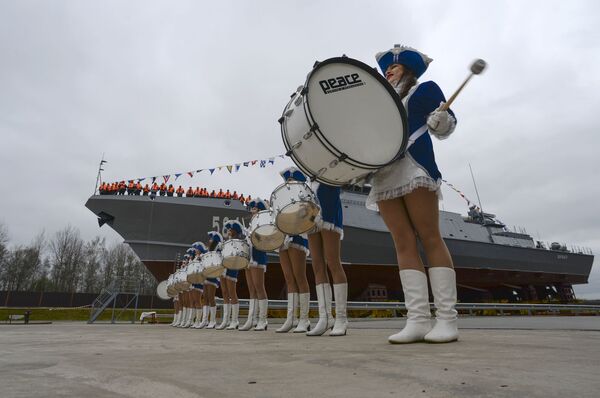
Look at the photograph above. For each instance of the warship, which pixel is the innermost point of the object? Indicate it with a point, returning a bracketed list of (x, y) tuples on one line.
[(492, 262)]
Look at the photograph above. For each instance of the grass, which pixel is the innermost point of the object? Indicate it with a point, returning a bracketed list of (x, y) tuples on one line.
[(71, 314)]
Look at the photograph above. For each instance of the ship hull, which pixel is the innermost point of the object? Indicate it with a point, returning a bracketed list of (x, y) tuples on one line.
[(160, 230)]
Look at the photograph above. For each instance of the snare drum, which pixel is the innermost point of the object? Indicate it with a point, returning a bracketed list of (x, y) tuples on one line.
[(236, 254), (344, 123), (212, 264), (194, 272), (295, 207), (263, 233), (170, 288)]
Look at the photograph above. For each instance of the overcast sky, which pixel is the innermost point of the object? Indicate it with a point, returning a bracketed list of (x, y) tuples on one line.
[(169, 86)]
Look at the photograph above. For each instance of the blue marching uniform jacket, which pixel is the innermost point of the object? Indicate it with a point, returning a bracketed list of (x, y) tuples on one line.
[(425, 99), (331, 205)]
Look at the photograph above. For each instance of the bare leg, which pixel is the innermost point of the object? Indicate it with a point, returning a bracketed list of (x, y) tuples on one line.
[(331, 246), (298, 258), (288, 273), (315, 244), (258, 278)]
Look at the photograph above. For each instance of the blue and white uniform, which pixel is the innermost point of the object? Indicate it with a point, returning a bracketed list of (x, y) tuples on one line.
[(259, 258), (215, 237), (299, 242), (417, 168), (332, 218), (232, 274)]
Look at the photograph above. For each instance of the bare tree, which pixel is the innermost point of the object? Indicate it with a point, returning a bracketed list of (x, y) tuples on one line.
[(66, 258), (22, 266), (93, 253)]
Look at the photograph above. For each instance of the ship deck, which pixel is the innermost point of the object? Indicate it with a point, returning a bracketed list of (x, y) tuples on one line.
[(103, 360)]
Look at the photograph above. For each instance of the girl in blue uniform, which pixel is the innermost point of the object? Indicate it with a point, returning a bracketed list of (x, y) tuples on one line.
[(186, 299), (197, 288), (406, 193), (231, 306), (211, 285), (255, 277), (324, 243), (292, 256)]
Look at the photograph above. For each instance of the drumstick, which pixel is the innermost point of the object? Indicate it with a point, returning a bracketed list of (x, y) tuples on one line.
[(476, 68)]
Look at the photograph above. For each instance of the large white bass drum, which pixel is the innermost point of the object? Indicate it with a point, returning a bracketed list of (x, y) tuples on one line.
[(161, 291), (264, 235), (212, 264), (295, 206), (181, 283), (236, 254), (344, 123), (194, 272)]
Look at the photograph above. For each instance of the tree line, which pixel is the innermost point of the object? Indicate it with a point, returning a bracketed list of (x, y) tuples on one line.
[(67, 263)]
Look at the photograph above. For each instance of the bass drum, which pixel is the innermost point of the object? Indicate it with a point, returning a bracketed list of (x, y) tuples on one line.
[(236, 254), (194, 272), (161, 291), (295, 206), (212, 264), (264, 235), (344, 123)]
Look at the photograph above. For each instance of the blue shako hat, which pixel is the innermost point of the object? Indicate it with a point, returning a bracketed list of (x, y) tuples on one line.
[(258, 203), (235, 225), (201, 247), (409, 57), (215, 236), (293, 173), (190, 252)]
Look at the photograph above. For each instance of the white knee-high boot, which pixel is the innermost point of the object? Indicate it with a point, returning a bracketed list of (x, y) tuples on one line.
[(225, 321), (198, 318), (235, 311), (416, 299), (340, 326), (184, 316), (212, 320), (250, 320), (322, 324), (263, 308), (443, 287), (303, 321), (328, 301), (190, 318), (204, 322), (292, 302), (176, 318)]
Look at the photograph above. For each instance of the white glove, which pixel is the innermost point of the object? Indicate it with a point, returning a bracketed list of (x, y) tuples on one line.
[(441, 123)]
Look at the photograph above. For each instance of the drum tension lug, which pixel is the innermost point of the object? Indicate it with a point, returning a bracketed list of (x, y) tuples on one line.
[(342, 157), (281, 119), (314, 127), (316, 64), (304, 91)]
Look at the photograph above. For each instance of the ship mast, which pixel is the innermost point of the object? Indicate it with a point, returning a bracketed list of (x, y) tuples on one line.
[(478, 198), (99, 176)]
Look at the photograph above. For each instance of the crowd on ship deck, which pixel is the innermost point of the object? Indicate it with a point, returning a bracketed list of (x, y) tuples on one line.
[(154, 189)]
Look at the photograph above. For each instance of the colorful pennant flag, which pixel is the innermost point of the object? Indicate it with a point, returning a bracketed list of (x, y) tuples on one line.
[(229, 168)]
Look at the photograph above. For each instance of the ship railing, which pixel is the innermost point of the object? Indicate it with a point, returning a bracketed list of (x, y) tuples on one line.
[(468, 308)]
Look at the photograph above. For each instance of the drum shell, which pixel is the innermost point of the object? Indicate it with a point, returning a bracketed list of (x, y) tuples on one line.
[(181, 283), (212, 264), (161, 290), (313, 148), (294, 193), (265, 219), (236, 254), (194, 272)]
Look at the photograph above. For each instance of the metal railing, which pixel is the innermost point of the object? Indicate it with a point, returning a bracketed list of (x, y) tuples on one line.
[(462, 307), (110, 294)]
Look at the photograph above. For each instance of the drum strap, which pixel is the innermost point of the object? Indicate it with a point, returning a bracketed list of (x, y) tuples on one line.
[(414, 136)]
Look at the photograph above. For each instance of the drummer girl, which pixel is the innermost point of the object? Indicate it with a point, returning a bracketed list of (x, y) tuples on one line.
[(292, 256), (211, 284), (255, 277), (231, 306), (186, 300), (407, 192), (197, 288), (324, 243)]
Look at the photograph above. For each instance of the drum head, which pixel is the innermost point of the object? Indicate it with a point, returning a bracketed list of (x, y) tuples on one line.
[(267, 238), (161, 290), (235, 262), (297, 218), (357, 111)]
